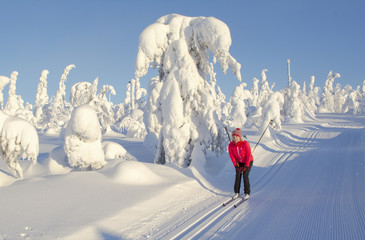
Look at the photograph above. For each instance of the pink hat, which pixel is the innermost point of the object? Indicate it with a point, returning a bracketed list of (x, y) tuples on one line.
[(236, 132)]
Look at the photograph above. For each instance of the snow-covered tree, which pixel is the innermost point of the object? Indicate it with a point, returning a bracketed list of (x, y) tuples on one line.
[(83, 140), (362, 101), (139, 96), (18, 139), (255, 92), (312, 96), (3, 82), (293, 108), (41, 98), (265, 90), (152, 123), (239, 100), (82, 93), (271, 113), (353, 101), (132, 124), (15, 102), (59, 109), (180, 46), (327, 99), (104, 107)]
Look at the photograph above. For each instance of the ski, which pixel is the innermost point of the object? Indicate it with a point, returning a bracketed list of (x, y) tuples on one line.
[(240, 202), (228, 202)]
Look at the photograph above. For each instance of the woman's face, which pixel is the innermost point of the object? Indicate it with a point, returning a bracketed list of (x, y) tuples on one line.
[(236, 138)]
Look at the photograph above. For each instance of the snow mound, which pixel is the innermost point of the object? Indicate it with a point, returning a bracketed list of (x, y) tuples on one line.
[(6, 179), (134, 173), (114, 150), (151, 141), (56, 162)]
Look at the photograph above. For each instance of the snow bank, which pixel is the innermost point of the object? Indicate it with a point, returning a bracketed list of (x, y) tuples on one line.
[(83, 139), (134, 173), (114, 150), (57, 161)]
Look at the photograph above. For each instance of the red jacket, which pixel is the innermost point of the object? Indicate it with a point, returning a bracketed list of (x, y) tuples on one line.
[(240, 152)]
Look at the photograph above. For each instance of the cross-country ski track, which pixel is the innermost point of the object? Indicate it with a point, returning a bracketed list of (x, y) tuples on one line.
[(307, 185)]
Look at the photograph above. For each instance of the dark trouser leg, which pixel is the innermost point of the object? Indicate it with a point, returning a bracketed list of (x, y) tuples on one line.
[(246, 180), (237, 183)]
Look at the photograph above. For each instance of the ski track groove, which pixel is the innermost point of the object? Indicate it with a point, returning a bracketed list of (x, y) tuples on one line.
[(190, 228)]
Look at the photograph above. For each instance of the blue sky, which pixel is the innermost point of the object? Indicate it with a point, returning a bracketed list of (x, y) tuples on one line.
[(101, 38)]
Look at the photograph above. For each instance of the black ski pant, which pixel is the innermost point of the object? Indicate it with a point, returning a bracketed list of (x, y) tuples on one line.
[(246, 180)]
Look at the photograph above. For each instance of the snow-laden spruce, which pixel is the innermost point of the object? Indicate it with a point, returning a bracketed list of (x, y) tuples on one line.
[(187, 103), (18, 139), (41, 98), (239, 101), (83, 139), (58, 111)]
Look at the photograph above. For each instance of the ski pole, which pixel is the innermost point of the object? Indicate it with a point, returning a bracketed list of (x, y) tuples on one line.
[(227, 134), (271, 121)]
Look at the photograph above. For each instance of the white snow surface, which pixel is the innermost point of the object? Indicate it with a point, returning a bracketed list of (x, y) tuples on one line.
[(307, 182)]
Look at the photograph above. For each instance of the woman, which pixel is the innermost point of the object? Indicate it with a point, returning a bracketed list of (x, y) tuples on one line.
[(242, 159)]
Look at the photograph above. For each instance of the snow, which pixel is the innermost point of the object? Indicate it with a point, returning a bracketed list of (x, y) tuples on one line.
[(307, 183)]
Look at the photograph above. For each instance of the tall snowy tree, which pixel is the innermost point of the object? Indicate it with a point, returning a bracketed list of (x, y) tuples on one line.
[(15, 102), (179, 47), (312, 95), (41, 98), (327, 99), (255, 92), (59, 110), (265, 90)]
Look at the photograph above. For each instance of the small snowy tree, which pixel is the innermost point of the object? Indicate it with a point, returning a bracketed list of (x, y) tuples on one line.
[(327, 100), (179, 46), (83, 139), (271, 112), (82, 93), (293, 108), (312, 96), (265, 90), (15, 102), (239, 100), (104, 107), (353, 101), (18, 139)]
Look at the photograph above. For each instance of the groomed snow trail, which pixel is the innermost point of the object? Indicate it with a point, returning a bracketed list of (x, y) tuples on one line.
[(309, 186)]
